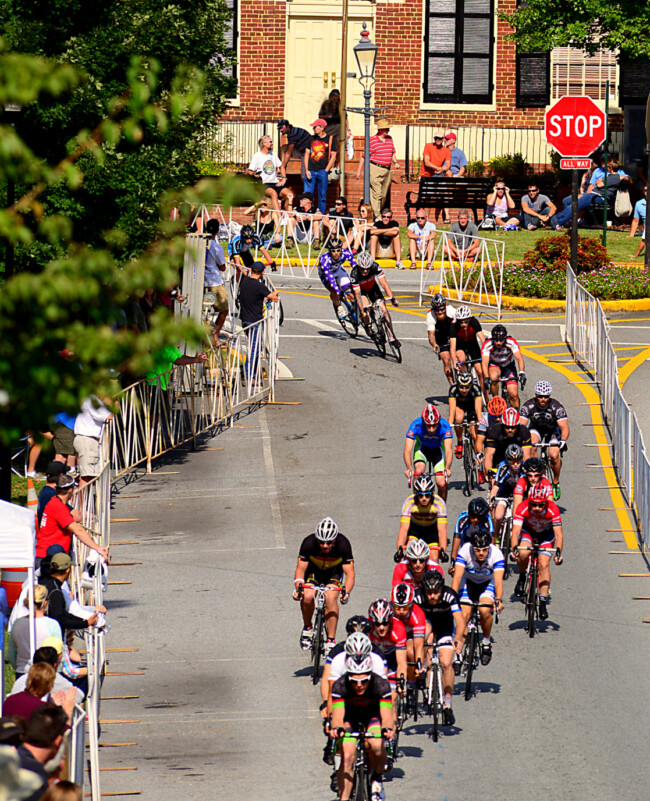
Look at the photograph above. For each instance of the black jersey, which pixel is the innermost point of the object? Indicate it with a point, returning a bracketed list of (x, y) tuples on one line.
[(366, 281), (443, 610), (362, 708), (465, 334), (543, 420), (496, 438), (466, 401), (330, 564)]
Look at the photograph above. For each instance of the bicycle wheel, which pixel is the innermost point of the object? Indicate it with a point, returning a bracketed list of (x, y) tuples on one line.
[(531, 602), (388, 333), (504, 544), (318, 641), (378, 336), (470, 652), (434, 700), (414, 702), (468, 466), (350, 323), (360, 789)]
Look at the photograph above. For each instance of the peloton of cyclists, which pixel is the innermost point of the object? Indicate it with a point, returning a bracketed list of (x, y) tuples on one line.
[(465, 403), (368, 280), (333, 276), (466, 337), (425, 439), (501, 357), (547, 420), (439, 320), (503, 487), (424, 516), (476, 518)]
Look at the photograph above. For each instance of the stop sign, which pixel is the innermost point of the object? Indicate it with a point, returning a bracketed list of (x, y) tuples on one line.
[(574, 126)]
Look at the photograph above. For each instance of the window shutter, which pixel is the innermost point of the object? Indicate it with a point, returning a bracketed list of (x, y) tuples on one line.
[(533, 79), (635, 82), (230, 34)]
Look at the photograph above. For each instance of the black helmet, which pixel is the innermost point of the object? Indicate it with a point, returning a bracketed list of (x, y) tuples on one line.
[(212, 226), (514, 453), (432, 581), (247, 232), (481, 538), (358, 623), (533, 465), (499, 332), (438, 302), (478, 507), (464, 380), (335, 244)]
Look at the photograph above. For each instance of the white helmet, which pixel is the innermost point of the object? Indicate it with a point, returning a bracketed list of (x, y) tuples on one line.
[(361, 666), (544, 389), (327, 530), (463, 313), (365, 260), (358, 645), (417, 549)]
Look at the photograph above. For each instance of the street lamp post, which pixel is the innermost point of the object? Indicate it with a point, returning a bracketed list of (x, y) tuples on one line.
[(365, 53)]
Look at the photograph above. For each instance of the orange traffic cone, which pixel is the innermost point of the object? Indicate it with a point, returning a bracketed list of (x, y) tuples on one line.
[(32, 497)]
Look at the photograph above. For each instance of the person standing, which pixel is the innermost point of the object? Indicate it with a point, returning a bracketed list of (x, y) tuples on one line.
[(318, 162), (215, 265), (88, 429), (253, 293), (266, 165), (382, 157), (298, 140)]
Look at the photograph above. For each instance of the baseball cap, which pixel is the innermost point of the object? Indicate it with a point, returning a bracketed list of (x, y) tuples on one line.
[(65, 482), (282, 123), (451, 136), (320, 122), (438, 136), (307, 196), (258, 267), (10, 731), (56, 469), (53, 642), (60, 562)]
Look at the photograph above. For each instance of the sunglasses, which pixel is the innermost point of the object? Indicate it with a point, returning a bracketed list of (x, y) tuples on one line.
[(442, 310), (387, 216), (338, 203), (424, 494), (360, 682), (536, 504), (420, 218), (418, 561)]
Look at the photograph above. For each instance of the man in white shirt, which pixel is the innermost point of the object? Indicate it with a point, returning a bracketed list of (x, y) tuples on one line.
[(88, 429), (265, 165), (215, 264), (422, 239)]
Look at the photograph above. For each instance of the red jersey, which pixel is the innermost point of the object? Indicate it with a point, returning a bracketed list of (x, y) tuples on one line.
[(522, 487), (54, 527), (402, 573), (415, 624), (393, 640), (537, 523)]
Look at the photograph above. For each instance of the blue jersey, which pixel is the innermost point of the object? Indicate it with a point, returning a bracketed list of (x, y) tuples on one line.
[(464, 529), (237, 246), (418, 431), (506, 480)]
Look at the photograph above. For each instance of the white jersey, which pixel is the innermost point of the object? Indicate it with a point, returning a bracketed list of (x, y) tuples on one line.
[(337, 668), (431, 317), (480, 572)]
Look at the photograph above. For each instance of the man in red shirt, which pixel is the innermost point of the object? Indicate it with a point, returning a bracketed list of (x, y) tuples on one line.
[(58, 525), (382, 156)]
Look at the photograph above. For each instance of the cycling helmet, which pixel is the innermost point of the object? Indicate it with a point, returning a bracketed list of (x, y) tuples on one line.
[(499, 332), (417, 549), (357, 667), (510, 417), (438, 302), (540, 493), (514, 453), (364, 260), (478, 507), (327, 530), (430, 415), (544, 389), (432, 581), (380, 611), (335, 244), (533, 465), (424, 485), (247, 232), (464, 380), (358, 623), (358, 645), (481, 539), (402, 595), (496, 406), (463, 313)]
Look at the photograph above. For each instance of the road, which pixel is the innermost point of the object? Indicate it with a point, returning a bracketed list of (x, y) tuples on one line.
[(224, 707)]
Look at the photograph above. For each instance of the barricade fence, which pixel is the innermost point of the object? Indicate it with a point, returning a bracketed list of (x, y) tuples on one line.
[(587, 333), (462, 274)]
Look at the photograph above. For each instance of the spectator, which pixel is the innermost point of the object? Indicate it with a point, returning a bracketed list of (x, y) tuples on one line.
[(43, 737), (266, 165), (340, 223), (463, 242), (318, 162), (19, 652), (267, 223), (641, 246), (382, 156), (422, 239), (58, 525), (63, 791), (52, 473), (298, 140), (305, 226), (500, 205), (57, 608), (34, 452), (188, 218), (40, 681), (384, 238), (88, 429), (331, 113), (436, 159), (537, 210), (52, 656), (11, 732), (149, 302), (458, 158), (253, 293), (215, 265), (165, 359), (595, 193), (639, 213), (361, 232), (63, 439)]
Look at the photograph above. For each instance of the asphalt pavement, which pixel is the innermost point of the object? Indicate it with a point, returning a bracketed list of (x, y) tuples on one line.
[(223, 706)]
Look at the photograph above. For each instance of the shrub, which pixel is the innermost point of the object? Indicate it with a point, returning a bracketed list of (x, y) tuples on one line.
[(509, 166), (475, 169), (612, 282), (552, 253)]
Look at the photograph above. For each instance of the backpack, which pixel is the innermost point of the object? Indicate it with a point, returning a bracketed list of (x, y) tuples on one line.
[(623, 204), (487, 223)]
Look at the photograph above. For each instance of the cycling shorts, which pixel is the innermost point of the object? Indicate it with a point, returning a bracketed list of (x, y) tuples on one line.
[(433, 455), (341, 278), (442, 341), (545, 539), (470, 412), (391, 667), (442, 631), (473, 591), (374, 293), (551, 436), (427, 533), (372, 725), (314, 578), (507, 371), (472, 350)]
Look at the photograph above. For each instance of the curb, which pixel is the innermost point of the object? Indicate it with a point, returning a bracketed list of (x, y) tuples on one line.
[(539, 304)]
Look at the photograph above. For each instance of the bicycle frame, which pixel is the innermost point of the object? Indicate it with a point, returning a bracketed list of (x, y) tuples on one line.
[(531, 592), (471, 649), (469, 459), (434, 691)]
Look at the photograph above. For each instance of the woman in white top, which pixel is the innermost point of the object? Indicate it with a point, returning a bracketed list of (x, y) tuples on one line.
[(500, 205), (18, 650)]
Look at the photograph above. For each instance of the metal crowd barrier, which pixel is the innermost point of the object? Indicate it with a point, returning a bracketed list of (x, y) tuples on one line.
[(587, 333)]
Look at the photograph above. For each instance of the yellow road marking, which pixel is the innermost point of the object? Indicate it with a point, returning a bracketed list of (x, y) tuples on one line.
[(545, 317), (630, 367), (630, 320), (547, 344)]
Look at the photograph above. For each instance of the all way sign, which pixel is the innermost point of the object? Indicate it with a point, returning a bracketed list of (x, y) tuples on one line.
[(575, 164)]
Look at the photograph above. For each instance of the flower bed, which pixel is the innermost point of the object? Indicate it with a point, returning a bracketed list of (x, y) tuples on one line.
[(608, 283)]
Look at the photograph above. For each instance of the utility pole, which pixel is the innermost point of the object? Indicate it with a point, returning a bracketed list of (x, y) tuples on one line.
[(344, 92)]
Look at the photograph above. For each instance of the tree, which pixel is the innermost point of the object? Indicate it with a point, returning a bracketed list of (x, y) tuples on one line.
[(591, 25)]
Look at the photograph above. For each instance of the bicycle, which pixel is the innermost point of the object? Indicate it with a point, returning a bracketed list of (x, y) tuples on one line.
[(434, 693), (470, 465), (319, 632), (400, 718), (362, 774), (412, 692), (381, 331), (350, 321), (531, 591), (504, 537), (471, 657)]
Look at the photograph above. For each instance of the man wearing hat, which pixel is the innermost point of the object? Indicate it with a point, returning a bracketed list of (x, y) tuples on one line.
[(57, 609), (382, 157), (318, 161), (253, 293), (436, 159), (52, 473), (458, 158)]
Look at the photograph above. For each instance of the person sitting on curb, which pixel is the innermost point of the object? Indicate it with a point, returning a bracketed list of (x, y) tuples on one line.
[(422, 239), (384, 238), (462, 242)]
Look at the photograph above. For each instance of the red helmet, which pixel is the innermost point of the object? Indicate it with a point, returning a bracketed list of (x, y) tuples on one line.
[(540, 493), (510, 417), (430, 415), (402, 595), (497, 406), (380, 611)]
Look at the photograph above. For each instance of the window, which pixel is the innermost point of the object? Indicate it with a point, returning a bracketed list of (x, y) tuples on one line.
[(459, 50), (231, 35), (574, 72), (533, 79), (635, 80)]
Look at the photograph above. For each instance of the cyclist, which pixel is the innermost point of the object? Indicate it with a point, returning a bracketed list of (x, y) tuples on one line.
[(368, 280), (424, 516), (496, 406), (333, 276), (446, 624), (533, 468), (547, 420), (503, 488), (500, 435), (356, 623), (501, 356), (439, 319), (466, 337), (361, 700), (389, 636), (465, 401), (425, 439), (325, 557), (411, 570), (479, 578), (403, 599), (476, 518), (537, 520), (239, 249)]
